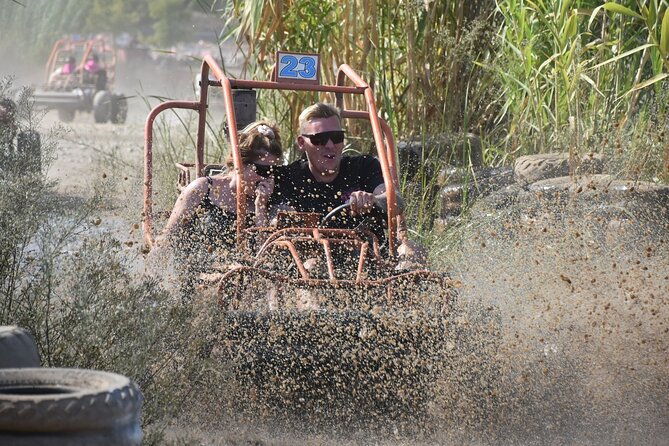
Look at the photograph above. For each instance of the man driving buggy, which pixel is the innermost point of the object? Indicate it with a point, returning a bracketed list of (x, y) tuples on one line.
[(323, 179)]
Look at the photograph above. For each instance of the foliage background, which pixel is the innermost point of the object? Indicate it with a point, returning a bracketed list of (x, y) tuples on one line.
[(525, 76), (33, 25)]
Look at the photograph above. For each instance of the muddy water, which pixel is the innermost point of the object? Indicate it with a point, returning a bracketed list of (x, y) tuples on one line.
[(582, 291), (559, 336)]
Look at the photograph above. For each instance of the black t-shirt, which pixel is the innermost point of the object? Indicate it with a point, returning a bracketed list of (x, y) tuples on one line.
[(296, 186)]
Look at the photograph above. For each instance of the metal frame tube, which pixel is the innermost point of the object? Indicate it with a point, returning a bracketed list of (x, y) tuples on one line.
[(388, 177), (147, 220)]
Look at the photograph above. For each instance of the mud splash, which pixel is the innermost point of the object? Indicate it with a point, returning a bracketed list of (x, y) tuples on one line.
[(559, 335), (580, 282)]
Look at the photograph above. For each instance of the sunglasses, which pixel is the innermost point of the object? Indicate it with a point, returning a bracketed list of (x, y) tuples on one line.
[(263, 170), (320, 139)]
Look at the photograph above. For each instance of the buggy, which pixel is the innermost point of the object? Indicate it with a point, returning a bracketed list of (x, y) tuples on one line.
[(357, 327), (80, 90)]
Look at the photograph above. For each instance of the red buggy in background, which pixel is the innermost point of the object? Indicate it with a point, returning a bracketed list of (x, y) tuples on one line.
[(80, 75)]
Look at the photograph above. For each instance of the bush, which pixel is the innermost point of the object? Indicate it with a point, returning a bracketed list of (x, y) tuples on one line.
[(80, 294)]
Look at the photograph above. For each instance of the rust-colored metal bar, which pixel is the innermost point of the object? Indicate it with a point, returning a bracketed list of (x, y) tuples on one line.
[(296, 241), (147, 220), (52, 58), (309, 234), (209, 63), (352, 241), (328, 258), (269, 85), (87, 52), (392, 159), (390, 147), (202, 122), (184, 174), (361, 262), (346, 71), (296, 257)]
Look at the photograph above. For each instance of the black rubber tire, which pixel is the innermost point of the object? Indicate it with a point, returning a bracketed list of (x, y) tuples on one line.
[(102, 106), (66, 114), (529, 169), (17, 348), (51, 406), (119, 109)]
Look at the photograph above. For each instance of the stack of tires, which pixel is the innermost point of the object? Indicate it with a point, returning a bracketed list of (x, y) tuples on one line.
[(52, 406)]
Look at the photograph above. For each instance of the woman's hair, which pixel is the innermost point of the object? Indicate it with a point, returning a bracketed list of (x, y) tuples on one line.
[(258, 140), (317, 111)]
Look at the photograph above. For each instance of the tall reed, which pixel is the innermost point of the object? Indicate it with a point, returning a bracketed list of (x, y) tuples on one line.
[(526, 75), (380, 40)]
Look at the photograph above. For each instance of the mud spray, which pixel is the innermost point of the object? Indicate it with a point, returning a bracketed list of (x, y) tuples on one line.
[(559, 334), (579, 277)]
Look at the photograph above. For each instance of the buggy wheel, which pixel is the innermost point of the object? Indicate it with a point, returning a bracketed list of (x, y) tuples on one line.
[(119, 109), (66, 114), (102, 106)]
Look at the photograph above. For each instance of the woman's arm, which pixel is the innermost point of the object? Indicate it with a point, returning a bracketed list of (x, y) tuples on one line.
[(264, 189), (185, 206)]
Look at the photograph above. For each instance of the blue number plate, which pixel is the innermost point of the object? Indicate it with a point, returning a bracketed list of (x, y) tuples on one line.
[(297, 67)]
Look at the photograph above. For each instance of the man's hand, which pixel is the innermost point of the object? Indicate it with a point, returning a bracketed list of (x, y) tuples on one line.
[(361, 202), (411, 255)]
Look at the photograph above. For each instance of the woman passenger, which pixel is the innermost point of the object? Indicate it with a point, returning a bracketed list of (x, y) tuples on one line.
[(202, 225)]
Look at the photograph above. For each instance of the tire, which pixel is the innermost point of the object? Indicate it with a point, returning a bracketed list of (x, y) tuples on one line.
[(532, 168), (66, 114), (17, 348), (101, 80), (119, 109), (102, 106), (68, 407)]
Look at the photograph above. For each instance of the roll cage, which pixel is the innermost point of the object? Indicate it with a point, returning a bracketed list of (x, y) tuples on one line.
[(384, 142)]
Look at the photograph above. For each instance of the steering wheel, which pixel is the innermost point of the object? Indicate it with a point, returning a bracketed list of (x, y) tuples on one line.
[(380, 201), (334, 212)]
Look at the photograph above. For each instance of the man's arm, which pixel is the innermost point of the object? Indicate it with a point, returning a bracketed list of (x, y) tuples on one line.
[(368, 169)]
